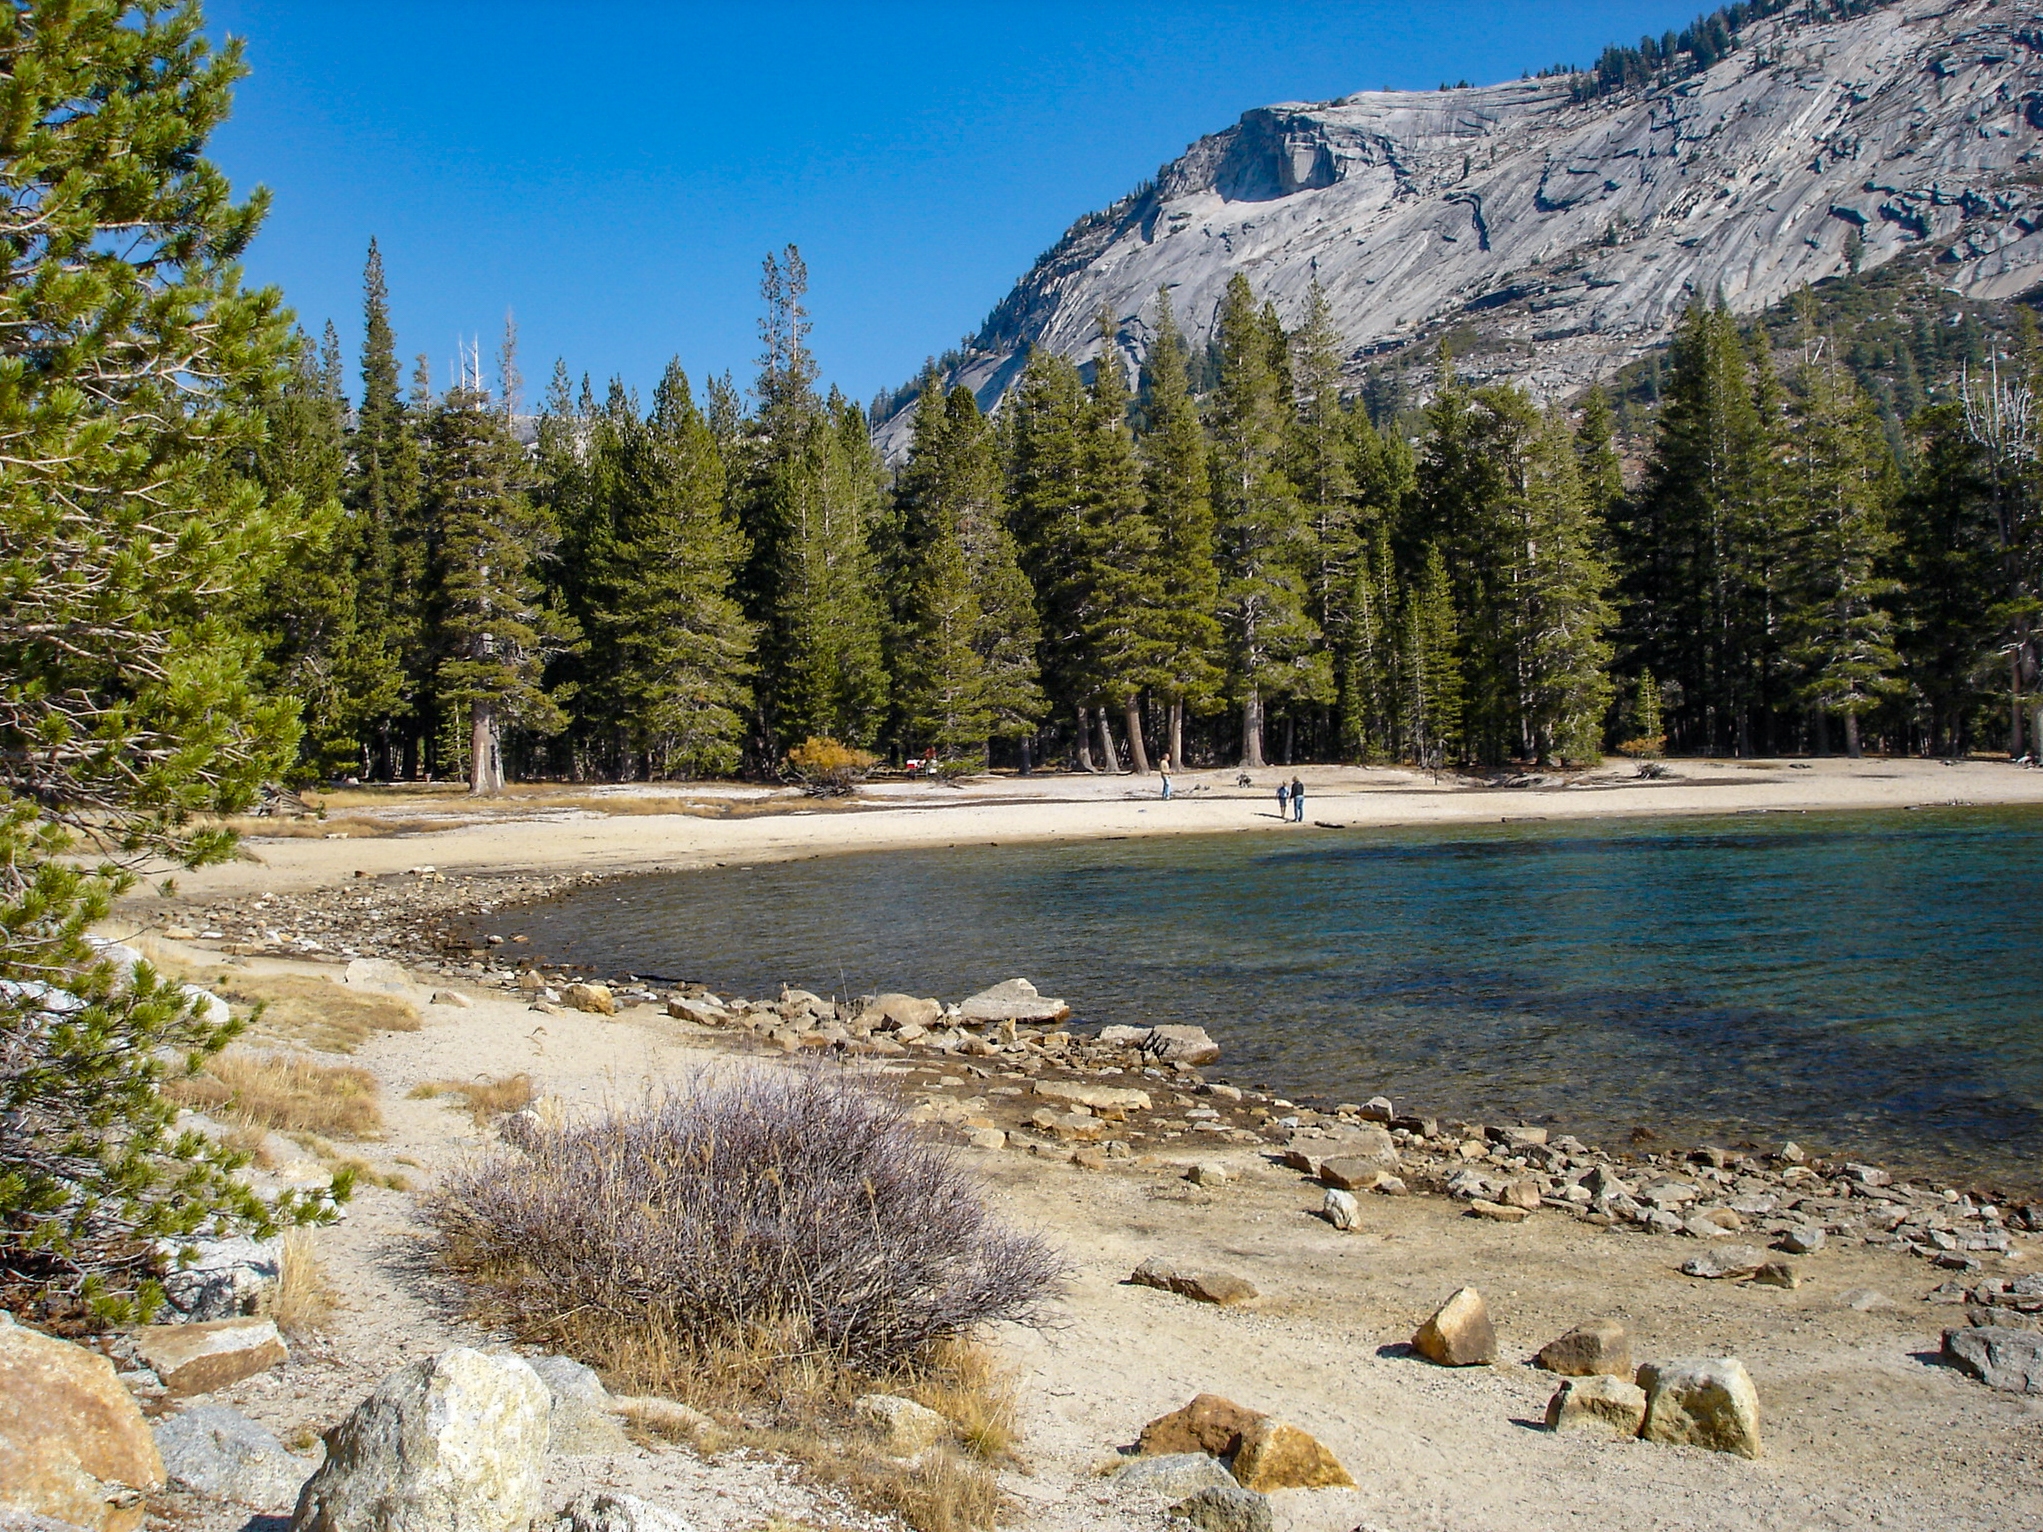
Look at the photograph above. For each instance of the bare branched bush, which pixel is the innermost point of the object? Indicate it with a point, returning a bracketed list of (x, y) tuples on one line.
[(795, 1202)]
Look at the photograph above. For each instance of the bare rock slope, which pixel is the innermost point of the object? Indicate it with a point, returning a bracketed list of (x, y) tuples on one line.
[(1573, 234)]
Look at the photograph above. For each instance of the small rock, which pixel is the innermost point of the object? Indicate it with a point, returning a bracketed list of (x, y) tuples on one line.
[(988, 1138), (1459, 1333), (1204, 1286), (610, 1511), (906, 1426), (1597, 1403), (1209, 1173), (198, 1358), (73, 1444), (1726, 1219), (1597, 1346), (1720, 1261), (1174, 1475), (1521, 1194), (1350, 1175), (701, 1012), (1123, 1037), (1094, 1098), (1392, 1186), (380, 976), (452, 997), (1228, 1508), (582, 1422), (1012, 1000), (2002, 1358), (1181, 1045), (595, 999), (1209, 1424), (1703, 1403), (1340, 1209), (1865, 1299), (1274, 1455), (212, 1450), (1804, 1239), (666, 1417), (1777, 1274), (903, 1011), (453, 1443)]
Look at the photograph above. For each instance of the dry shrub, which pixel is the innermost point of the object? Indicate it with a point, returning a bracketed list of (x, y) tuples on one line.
[(825, 767), (766, 1247), (301, 1301), (316, 1012), (486, 1098), (283, 1091), (791, 1200)]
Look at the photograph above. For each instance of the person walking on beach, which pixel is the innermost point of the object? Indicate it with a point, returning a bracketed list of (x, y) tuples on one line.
[(1298, 800), (1283, 799), (1166, 784)]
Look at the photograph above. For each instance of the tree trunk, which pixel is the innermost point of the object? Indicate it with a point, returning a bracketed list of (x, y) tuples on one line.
[(1085, 740), (485, 764), (1851, 735), (1025, 742), (1290, 736), (1176, 729), (1112, 762), (2015, 709), (1252, 729), (1138, 752)]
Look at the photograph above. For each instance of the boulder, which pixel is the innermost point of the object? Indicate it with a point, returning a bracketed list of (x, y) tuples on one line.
[(1123, 1037), (1597, 1346), (1777, 1274), (1342, 1211), (1173, 1475), (1225, 1508), (1708, 1402), (73, 1444), (1274, 1455), (1597, 1403), (1203, 1285), (1498, 1212), (198, 1358), (1804, 1240), (1459, 1334), (987, 1138), (454, 1443), (581, 1422), (1350, 1175), (906, 1426), (1209, 1424), (1209, 1173), (886, 1012), (222, 1278), (1181, 1045), (701, 1012), (1721, 1261), (1012, 1000), (610, 1511), (212, 1450), (2006, 1359), (596, 999), (1095, 1098), (380, 976)]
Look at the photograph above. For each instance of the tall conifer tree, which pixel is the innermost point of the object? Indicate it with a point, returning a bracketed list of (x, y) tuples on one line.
[(1123, 641)]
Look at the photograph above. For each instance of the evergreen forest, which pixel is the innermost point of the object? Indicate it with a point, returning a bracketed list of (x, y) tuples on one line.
[(1813, 532)]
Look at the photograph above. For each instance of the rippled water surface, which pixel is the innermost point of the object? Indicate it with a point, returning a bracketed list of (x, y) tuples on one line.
[(1864, 982)]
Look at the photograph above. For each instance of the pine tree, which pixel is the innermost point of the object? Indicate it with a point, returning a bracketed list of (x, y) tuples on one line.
[(1595, 441), (1429, 682), (811, 502), (1562, 594), (667, 569), (1122, 642), (493, 631), (1322, 453), (1369, 655), (1263, 537), (1842, 472), (1048, 492), (1945, 533), (1174, 482)]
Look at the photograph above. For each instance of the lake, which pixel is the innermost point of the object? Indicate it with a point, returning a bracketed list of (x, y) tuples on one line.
[(1865, 983)]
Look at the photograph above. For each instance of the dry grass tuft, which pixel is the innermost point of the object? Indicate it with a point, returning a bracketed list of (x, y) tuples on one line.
[(486, 1099), (282, 1091), (301, 1301), (965, 1384), (313, 1012)]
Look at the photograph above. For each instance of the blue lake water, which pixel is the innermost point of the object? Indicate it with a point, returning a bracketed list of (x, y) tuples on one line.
[(1866, 983)]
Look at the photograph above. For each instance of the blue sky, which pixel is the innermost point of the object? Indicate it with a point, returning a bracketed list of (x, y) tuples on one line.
[(613, 173)]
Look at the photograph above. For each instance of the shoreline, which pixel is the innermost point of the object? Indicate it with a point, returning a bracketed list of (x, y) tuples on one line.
[(1044, 809)]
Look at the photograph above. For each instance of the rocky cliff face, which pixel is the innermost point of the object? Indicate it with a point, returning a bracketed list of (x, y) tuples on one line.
[(1572, 235)]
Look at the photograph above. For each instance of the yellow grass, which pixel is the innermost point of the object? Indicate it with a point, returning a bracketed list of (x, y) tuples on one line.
[(284, 1092), (485, 1098), (302, 1008), (301, 1301)]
